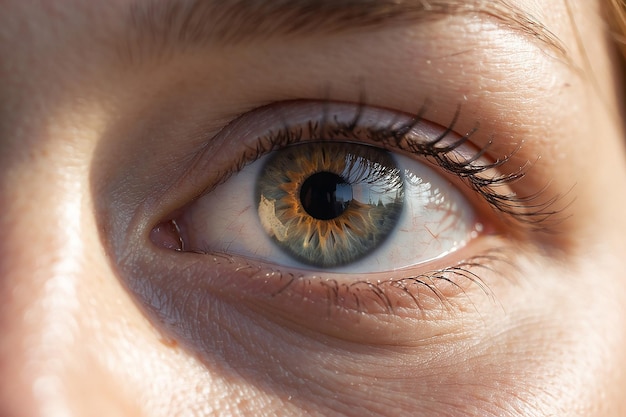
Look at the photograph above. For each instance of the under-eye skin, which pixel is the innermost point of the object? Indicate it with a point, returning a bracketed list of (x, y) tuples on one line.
[(342, 238)]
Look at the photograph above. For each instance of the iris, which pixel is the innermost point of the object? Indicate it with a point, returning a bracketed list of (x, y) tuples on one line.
[(329, 204)]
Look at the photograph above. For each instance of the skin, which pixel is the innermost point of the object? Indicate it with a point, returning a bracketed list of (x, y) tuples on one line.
[(98, 320)]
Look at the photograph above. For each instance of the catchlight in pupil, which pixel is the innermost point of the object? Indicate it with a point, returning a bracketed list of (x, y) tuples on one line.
[(325, 195), (329, 204)]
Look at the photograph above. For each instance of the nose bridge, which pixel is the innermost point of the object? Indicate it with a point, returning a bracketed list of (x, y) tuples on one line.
[(53, 280), (40, 265)]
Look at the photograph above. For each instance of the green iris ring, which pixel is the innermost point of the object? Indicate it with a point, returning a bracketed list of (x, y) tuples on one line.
[(358, 230)]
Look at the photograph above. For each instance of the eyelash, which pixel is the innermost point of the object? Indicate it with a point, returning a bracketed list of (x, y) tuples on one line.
[(533, 210), (379, 289), (384, 296)]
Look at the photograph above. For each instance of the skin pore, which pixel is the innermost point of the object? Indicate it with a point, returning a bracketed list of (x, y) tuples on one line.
[(118, 119)]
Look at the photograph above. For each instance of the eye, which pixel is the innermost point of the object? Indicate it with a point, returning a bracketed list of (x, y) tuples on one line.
[(344, 213), (336, 206), (339, 188)]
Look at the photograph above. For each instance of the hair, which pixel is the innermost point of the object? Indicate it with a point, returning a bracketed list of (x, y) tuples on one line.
[(616, 18)]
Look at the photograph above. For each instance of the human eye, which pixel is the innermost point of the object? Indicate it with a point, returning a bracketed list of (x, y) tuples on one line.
[(188, 238), (331, 202), (403, 219)]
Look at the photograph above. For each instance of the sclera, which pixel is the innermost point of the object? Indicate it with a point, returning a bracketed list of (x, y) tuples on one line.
[(436, 220)]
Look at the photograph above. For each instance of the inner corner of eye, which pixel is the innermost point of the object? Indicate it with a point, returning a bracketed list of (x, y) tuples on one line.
[(166, 234)]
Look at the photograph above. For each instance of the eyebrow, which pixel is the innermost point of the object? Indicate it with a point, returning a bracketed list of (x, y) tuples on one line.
[(160, 26)]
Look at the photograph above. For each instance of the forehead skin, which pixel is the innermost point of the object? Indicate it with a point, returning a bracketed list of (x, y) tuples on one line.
[(79, 82)]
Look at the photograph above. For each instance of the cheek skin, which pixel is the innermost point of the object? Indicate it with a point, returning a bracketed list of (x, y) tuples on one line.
[(534, 352)]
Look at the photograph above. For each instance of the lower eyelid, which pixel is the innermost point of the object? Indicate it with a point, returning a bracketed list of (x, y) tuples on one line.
[(401, 308)]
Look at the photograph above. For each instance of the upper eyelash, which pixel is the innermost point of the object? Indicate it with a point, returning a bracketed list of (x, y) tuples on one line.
[(535, 210), (526, 209)]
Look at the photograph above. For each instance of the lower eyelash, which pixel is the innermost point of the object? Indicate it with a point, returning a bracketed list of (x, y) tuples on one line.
[(389, 296)]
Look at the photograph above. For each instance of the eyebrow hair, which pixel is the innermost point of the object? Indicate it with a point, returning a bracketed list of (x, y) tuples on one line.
[(157, 26)]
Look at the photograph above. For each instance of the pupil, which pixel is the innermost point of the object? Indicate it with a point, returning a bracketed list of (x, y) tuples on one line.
[(325, 195)]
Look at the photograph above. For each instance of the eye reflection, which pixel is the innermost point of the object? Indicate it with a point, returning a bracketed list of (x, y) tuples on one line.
[(329, 204), (325, 195)]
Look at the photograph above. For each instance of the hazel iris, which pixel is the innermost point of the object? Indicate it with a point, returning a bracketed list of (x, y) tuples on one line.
[(329, 204)]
